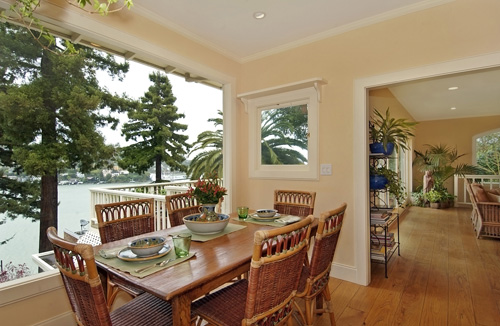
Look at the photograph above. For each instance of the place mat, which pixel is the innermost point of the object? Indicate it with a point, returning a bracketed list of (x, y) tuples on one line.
[(130, 267), (282, 221), (206, 237)]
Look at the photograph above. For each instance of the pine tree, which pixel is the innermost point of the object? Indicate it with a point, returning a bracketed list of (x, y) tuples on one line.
[(50, 107), (154, 128)]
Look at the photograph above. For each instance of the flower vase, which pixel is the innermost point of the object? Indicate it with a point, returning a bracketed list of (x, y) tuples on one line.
[(208, 213)]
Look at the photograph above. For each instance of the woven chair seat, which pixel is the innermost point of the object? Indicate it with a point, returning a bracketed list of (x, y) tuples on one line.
[(224, 307), (133, 313)]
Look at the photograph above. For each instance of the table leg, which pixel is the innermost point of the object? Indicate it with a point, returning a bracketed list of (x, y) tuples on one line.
[(181, 310)]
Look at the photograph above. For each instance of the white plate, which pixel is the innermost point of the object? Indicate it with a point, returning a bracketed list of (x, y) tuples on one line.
[(127, 254), (264, 219)]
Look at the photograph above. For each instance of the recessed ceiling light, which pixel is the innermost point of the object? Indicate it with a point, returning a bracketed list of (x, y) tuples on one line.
[(453, 108), (259, 15), (452, 88)]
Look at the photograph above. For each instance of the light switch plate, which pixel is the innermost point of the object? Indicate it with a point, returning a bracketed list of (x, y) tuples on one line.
[(326, 169)]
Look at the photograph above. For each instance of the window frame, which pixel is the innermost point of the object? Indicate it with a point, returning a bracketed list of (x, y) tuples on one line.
[(255, 106)]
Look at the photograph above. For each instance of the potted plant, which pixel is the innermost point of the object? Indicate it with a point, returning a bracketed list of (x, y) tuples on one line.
[(208, 192), (382, 177), (434, 197), (388, 133)]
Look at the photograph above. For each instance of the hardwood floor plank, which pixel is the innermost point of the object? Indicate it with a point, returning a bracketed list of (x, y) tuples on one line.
[(444, 273), (409, 309)]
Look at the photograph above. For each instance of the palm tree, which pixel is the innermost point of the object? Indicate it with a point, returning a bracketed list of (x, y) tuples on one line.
[(439, 161), (283, 136), (209, 146)]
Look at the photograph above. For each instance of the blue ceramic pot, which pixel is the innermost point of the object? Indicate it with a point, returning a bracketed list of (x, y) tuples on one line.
[(378, 181), (378, 148)]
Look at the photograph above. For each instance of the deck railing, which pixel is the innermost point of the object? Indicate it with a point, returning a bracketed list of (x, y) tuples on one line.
[(460, 190), (158, 191)]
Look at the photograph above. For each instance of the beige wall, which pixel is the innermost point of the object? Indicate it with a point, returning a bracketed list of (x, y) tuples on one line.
[(456, 30), (452, 31)]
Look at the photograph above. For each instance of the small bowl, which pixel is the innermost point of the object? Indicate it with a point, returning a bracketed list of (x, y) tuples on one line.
[(147, 246), (266, 212), (205, 227)]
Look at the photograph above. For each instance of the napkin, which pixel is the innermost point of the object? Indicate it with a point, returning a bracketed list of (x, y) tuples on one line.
[(288, 219), (110, 253)]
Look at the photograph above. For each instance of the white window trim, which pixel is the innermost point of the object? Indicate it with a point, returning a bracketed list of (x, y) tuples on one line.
[(305, 92)]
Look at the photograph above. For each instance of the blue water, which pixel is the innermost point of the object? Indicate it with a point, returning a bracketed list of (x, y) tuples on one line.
[(74, 205)]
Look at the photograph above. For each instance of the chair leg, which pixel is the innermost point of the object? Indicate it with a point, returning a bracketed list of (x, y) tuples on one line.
[(309, 311), (329, 308), (111, 293)]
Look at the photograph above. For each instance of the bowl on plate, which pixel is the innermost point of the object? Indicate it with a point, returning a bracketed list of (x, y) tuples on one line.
[(266, 212), (147, 246), (205, 227)]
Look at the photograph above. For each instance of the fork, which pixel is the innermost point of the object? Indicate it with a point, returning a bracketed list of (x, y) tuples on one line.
[(159, 264)]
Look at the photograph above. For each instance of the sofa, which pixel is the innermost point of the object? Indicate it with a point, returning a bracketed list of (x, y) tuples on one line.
[(485, 210)]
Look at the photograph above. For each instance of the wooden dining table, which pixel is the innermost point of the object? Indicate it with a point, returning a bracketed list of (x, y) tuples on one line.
[(216, 262)]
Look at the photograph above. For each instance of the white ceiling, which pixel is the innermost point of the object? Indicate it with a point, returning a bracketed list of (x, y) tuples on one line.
[(228, 26)]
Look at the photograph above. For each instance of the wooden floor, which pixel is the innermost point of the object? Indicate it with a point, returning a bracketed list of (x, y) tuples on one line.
[(444, 276)]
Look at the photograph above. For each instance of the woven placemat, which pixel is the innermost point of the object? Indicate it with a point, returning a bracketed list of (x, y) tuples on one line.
[(282, 221), (130, 267)]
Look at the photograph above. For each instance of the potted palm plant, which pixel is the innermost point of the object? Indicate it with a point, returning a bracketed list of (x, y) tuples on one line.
[(388, 133), (382, 177)]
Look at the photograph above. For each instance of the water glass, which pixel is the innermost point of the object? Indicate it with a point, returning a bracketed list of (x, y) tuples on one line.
[(182, 243), (242, 212)]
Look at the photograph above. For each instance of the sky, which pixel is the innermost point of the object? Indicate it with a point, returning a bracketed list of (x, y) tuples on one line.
[(197, 101)]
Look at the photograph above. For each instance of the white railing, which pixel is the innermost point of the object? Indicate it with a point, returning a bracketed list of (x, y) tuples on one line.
[(158, 191), (460, 190)]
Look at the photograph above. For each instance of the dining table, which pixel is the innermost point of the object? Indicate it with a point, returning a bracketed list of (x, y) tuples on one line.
[(215, 263)]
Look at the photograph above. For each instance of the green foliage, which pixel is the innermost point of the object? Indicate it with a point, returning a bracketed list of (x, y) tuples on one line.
[(386, 129), (488, 153), (50, 107), (394, 185), (439, 195), (283, 134), (209, 148), (154, 128), (441, 161)]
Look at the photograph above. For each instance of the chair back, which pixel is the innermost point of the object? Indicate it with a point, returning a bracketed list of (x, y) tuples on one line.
[(278, 256), (294, 202), (125, 219), (180, 205), (81, 280), (325, 243)]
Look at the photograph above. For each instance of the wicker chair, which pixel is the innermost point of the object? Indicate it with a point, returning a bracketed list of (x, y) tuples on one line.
[(121, 220), (267, 296), (485, 213), (293, 202), (180, 205), (316, 275), (80, 277)]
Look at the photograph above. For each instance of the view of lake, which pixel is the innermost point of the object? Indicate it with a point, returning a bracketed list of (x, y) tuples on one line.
[(74, 205)]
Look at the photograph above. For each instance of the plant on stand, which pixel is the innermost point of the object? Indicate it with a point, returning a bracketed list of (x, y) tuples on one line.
[(393, 185), (388, 133), (208, 192)]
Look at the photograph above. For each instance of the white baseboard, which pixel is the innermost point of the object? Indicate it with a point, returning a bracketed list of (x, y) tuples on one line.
[(344, 272), (66, 319)]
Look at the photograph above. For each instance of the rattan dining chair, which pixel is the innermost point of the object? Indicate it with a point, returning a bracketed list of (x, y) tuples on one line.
[(81, 280), (180, 205), (316, 274), (268, 293), (121, 220), (294, 202)]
